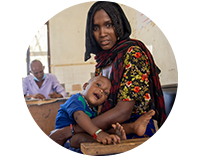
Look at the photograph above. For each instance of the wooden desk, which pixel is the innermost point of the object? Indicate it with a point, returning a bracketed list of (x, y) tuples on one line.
[(100, 149), (44, 113)]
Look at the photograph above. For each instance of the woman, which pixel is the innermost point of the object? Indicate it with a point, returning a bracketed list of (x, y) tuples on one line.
[(130, 67), (127, 62)]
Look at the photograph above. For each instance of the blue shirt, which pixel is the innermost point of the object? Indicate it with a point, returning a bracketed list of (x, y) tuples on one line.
[(65, 114)]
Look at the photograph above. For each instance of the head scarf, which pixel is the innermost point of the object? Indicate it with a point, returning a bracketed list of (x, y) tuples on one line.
[(115, 56)]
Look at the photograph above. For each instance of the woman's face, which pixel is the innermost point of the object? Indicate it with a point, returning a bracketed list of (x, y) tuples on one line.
[(104, 30)]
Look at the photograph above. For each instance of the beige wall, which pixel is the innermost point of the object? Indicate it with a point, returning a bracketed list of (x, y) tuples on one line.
[(67, 40), (162, 52), (67, 35)]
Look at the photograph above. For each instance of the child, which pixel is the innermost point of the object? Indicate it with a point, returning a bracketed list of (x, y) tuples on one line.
[(79, 108)]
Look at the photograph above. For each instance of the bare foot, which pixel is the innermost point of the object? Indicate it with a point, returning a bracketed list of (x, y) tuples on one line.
[(140, 125), (119, 130)]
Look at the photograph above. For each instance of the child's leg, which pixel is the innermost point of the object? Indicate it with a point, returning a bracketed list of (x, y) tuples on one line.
[(79, 138)]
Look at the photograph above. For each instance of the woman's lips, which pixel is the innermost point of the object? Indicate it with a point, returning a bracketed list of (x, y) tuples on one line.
[(105, 42)]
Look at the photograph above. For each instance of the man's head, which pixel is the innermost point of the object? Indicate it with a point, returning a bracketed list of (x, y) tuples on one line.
[(37, 69), (97, 90)]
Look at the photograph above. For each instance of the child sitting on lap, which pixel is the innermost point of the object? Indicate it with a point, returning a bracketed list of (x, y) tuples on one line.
[(80, 108)]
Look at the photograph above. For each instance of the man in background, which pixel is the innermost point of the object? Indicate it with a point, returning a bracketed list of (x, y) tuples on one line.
[(41, 85)]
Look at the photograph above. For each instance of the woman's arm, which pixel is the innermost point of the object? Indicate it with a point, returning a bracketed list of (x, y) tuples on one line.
[(120, 113)]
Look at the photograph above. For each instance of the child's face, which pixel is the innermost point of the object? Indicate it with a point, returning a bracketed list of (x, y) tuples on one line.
[(97, 91)]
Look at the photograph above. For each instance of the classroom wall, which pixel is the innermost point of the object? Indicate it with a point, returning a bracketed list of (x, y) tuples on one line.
[(67, 47), (67, 35), (157, 43)]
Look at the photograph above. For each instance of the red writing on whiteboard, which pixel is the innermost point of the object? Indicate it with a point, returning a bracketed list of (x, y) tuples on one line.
[(146, 12), (146, 20)]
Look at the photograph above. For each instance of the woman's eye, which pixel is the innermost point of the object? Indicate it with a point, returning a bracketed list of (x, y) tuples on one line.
[(98, 84), (109, 25), (95, 28)]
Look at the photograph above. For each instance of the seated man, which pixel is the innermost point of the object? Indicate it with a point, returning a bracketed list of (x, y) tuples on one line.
[(41, 85)]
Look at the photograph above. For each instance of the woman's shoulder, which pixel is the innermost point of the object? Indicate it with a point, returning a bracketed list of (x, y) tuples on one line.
[(134, 50), (136, 41), (135, 54), (139, 43)]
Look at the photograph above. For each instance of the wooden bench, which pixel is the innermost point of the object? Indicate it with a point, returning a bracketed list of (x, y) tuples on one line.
[(131, 146)]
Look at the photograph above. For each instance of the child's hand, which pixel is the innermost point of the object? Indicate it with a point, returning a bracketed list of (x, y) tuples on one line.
[(106, 138)]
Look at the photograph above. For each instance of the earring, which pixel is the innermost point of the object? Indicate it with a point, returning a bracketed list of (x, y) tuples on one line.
[(118, 38)]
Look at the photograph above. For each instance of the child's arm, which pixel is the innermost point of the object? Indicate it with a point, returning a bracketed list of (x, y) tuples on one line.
[(84, 121)]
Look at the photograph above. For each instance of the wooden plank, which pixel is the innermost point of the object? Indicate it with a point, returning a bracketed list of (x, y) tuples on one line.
[(100, 149), (39, 102), (45, 101)]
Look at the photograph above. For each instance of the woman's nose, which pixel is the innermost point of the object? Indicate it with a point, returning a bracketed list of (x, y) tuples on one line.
[(103, 32)]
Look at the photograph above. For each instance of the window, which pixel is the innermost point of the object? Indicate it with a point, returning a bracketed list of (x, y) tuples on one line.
[(39, 49), (34, 35)]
